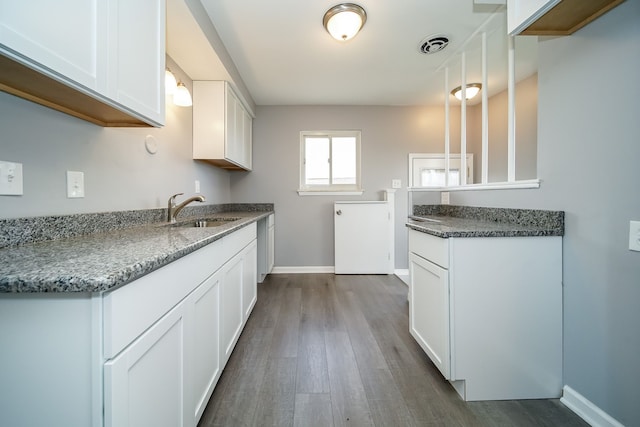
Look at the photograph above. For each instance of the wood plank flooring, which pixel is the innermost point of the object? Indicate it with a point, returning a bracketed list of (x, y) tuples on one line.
[(326, 350)]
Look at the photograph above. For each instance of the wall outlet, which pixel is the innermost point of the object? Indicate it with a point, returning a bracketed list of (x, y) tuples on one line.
[(634, 236), (197, 186), (396, 183), (10, 179), (75, 185), (444, 198)]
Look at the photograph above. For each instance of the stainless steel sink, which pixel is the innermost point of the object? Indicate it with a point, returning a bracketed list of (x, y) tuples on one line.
[(206, 222)]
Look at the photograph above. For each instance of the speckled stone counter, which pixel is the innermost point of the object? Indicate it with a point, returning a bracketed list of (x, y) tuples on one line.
[(467, 221), (116, 255)]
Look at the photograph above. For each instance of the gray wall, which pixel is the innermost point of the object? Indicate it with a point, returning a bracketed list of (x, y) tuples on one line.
[(389, 134), (588, 153), (526, 133), (119, 173), (304, 224)]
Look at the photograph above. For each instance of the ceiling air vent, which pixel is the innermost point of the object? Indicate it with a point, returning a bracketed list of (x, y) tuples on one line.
[(433, 44)]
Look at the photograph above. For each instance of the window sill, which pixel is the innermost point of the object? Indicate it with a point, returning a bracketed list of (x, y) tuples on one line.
[(330, 193), (530, 183)]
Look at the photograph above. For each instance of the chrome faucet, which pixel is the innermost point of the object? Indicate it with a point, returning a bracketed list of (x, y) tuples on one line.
[(174, 209)]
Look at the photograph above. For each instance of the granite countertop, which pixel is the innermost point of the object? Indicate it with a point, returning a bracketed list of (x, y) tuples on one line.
[(464, 221), (102, 261)]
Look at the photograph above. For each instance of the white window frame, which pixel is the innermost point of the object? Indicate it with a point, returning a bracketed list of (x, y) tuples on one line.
[(331, 189)]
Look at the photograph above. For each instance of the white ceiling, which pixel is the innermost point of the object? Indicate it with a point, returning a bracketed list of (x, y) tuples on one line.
[(285, 56)]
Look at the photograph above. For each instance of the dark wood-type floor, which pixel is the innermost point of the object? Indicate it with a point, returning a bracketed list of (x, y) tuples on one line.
[(325, 350)]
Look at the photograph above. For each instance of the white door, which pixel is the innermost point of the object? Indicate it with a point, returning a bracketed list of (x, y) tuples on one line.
[(363, 238), (203, 357), (144, 384), (249, 279), (429, 310), (231, 315)]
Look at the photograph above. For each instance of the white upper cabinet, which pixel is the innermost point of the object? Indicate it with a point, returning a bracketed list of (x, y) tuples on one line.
[(553, 17), (102, 61), (44, 33), (137, 56), (521, 13), (221, 126)]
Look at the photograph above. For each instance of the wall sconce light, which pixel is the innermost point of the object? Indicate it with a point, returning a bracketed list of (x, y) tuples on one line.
[(170, 83), (181, 95), (471, 91), (344, 21)]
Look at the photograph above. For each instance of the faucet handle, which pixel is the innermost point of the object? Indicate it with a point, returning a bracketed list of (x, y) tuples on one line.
[(173, 198)]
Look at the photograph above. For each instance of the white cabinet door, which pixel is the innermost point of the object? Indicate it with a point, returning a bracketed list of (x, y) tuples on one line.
[(231, 316), (112, 50), (144, 384), (232, 148), (249, 279), (221, 126), (203, 357), (137, 56), (429, 310), (522, 13), (247, 140), (63, 40), (271, 244), (363, 238)]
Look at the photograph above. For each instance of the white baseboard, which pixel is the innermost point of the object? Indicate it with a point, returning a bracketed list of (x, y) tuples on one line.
[(403, 274), (303, 269), (586, 409)]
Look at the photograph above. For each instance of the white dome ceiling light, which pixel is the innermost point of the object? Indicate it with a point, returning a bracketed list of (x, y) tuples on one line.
[(472, 90), (344, 21)]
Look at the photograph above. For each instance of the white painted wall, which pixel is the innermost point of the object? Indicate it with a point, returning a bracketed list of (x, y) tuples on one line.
[(119, 173)]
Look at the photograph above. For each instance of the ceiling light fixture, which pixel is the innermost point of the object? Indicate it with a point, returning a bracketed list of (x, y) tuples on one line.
[(344, 21), (472, 90)]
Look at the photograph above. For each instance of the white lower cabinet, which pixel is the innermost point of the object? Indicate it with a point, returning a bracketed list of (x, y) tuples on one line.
[(249, 279), (231, 307), (203, 343), (429, 308), (166, 376), (266, 246), (144, 384), (149, 353), (488, 313)]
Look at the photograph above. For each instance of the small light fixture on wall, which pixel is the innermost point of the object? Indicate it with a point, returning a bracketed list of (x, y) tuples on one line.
[(344, 21), (180, 93), (182, 97), (472, 90), (170, 83)]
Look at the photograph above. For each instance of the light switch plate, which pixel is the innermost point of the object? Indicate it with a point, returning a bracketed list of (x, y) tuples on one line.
[(10, 178), (75, 184), (396, 183), (634, 236), (444, 198)]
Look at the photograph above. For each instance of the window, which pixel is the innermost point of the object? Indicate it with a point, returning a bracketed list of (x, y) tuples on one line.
[(428, 170), (329, 162)]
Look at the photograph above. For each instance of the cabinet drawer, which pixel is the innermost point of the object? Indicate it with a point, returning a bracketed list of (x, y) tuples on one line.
[(131, 309), (433, 248), (236, 241)]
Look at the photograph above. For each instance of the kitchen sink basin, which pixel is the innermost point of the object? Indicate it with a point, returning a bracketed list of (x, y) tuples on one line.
[(206, 222)]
